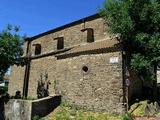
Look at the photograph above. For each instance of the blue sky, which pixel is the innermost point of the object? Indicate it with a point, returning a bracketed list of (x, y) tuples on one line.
[(37, 16)]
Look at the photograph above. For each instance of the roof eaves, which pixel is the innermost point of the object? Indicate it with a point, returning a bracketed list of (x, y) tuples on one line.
[(65, 26), (93, 47)]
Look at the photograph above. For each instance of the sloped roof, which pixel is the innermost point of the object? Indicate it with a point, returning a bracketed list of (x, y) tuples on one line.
[(112, 43), (91, 17)]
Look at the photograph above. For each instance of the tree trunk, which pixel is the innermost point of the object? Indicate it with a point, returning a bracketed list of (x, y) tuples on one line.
[(155, 84)]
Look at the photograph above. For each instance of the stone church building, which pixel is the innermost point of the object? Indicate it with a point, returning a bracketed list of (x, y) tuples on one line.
[(82, 62)]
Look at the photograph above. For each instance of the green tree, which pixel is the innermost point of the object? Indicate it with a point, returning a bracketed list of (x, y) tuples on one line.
[(138, 22), (10, 48)]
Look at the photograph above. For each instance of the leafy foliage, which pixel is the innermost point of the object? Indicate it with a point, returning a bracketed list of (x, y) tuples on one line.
[(36, 117), (3, 88), (138, 22), (10, 48), (127, 117)]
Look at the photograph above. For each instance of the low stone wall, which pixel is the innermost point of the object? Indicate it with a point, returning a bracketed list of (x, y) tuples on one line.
[(17, 109)]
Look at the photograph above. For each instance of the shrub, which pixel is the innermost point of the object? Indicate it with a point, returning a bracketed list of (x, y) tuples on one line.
[(36, 117), (127, 117)]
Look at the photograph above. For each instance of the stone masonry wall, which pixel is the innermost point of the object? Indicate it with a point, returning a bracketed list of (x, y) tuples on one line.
[(40, 69), (100, 88), (16, 80), (72, 36)]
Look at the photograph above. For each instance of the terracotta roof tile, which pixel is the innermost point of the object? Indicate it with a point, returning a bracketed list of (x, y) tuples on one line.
[(93, 46)]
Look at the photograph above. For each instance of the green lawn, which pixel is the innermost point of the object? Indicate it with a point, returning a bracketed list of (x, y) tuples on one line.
[(66, 113)]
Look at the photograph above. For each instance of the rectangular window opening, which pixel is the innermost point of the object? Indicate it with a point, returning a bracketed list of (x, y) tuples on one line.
[(37, 49), (60, 42), (90, 34)]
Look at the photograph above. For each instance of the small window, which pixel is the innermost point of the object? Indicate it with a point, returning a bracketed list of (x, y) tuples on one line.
[(90, 34), (37, 49), (60, 43)]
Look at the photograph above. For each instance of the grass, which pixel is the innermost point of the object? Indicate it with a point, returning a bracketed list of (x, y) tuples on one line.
[(70, 112), (65, 113), (29, 98)]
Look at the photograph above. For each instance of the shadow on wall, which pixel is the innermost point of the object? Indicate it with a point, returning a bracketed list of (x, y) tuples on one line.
[(44, 106), (3, 100), (17, 95), (43, 86)]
